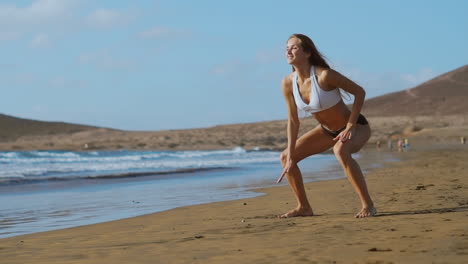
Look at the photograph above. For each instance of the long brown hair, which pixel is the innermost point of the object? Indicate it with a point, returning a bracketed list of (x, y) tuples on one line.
[(316, 58)]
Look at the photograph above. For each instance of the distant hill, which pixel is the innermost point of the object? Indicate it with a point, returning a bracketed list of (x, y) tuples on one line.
[(446, 94), (14, 127), (438, 103)]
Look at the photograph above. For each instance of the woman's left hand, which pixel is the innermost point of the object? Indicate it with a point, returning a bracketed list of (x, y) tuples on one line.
[(346, 134)]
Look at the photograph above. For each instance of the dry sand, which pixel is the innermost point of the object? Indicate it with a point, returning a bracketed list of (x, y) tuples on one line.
[(423, 213)]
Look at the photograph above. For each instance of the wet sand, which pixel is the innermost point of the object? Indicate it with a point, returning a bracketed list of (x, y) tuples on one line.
[(423, 211)]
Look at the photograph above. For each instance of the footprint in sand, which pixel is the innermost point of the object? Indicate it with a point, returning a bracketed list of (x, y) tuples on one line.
[(379, 250)]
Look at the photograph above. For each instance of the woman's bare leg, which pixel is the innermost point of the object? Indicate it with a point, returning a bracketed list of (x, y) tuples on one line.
[(303, 208), (343, 152), (313, 142)]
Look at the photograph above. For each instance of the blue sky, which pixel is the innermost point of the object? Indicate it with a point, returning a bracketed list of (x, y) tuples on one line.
[(153, 65)]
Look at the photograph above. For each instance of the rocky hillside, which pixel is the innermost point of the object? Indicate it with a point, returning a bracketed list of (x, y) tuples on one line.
[(446, 94)]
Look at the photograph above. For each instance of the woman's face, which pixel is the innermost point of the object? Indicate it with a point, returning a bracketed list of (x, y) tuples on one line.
[(294, 52)]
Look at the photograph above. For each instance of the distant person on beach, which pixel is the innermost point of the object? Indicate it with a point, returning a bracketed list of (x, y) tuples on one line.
[(390, 144), (400, 145), (406, 145), (462, 140), (313, 87), (378, 144)]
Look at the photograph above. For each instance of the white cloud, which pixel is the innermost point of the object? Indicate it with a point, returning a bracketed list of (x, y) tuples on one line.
[(113, 63), (40, 109), (155, 32), (380, 83), (9, 35), (419, 77), (14, 78), (49, 16), (270, 55), (230, 68), (64, 82), (40, 41), (58, 81), (219, 69), (106, 61), (9, 66), (39, 12), (106, 18), (248, 66), (17, 20), (159, 32), (84, 58)]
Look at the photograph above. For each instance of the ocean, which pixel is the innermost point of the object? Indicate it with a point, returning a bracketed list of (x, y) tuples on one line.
[(48, 190)]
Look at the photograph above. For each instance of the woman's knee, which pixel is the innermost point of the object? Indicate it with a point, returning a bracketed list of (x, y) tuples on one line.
[(283, 157), (342, 152)]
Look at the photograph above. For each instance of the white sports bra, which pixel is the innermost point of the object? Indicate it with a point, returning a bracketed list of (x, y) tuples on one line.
[(319, 98)]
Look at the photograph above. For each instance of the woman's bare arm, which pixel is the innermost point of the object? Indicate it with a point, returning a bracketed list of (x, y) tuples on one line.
[(335, 79), (293, 123)]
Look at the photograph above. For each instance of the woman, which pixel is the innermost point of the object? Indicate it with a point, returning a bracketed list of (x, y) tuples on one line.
[(313, 87)]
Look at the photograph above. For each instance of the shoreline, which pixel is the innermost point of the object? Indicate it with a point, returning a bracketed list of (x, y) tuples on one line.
[(266, 135), (421, 219), (120, 198)]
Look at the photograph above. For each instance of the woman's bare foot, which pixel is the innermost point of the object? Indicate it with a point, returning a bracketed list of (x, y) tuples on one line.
[(298, 212), (366, 212)]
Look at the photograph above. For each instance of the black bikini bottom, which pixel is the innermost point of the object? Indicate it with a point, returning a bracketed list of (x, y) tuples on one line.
[(333, 133)]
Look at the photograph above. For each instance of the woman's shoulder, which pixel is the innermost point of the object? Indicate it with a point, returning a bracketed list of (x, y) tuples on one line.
[(323, 72), (326, 77), (286, 83), (287, 80)]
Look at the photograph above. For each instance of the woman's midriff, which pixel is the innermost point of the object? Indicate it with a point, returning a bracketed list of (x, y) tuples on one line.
[(335, 117)]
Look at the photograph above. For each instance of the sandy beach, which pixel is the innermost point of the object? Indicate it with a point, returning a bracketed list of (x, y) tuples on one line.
[(422, 202), (152, 132)]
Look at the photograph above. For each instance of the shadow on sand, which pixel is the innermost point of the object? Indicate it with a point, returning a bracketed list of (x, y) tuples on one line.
[(425, 211)]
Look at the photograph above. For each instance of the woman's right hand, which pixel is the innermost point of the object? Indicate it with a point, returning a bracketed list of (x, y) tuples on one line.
[(289, 164)]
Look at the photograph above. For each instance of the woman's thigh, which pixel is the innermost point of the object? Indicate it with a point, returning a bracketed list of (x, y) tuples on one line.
[(313, 142), (362, 135)]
